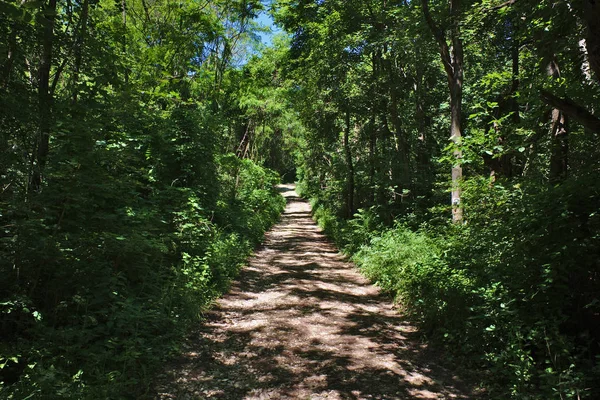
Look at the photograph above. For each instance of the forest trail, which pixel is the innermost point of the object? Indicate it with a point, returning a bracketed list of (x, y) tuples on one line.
[(302, 323)]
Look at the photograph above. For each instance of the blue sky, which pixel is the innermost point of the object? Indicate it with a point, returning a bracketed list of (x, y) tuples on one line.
[(265, 19)]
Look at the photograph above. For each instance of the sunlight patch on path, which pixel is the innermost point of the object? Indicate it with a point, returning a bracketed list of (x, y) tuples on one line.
[(302, 323)]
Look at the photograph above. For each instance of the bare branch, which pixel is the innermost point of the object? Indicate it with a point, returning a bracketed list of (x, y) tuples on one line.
[(440, 38), (572, 109), (499, 6)]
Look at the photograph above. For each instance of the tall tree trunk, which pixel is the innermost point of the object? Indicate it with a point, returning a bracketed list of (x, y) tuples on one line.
[(375, 107), (372, 155), (455, 136), (423, 146), (513, 106), (591, 14), (124, 44), (559, 135), (350, 164), (559, 146), (45, 99), (81, 35), (516, 117), (10, 56), (402, 143), (452, 59), (507, 103)]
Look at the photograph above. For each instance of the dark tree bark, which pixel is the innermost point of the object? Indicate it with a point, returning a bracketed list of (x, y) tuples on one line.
[(372, 155), (591, 13), (79, 44), (373, 128), (45, 98), (559, 139), (516, 117), (559, 155), (402, 143), (512, 105), (507, 103), (10, 56), (423, 145), (124, 44), (350, 164), (573, 110), (452, 59)]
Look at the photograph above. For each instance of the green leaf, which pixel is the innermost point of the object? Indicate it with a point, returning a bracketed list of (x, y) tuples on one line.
[(10, 10), (33, 4)]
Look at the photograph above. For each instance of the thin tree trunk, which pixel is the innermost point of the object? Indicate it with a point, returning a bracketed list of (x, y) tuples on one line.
[(452, 59), (559, 146), (10, 56), (455, 136), (373, 129), (559, 136), (422, 148), (350, 164), (507, 104), (401, 138), (79, 48), (372, 149), (45, 99), (513, 106), (516, 117), (124, 44), (591, 13), (573, 110)]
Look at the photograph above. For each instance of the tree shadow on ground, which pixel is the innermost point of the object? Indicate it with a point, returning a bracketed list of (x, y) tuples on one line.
[(301, 323)]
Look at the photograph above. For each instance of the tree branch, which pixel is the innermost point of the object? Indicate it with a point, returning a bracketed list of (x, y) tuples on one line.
[(499, 6), (439, 36), (572, 109), (591, 11)]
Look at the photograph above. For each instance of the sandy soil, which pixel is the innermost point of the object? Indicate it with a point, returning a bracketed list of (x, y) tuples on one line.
[(302, 323)]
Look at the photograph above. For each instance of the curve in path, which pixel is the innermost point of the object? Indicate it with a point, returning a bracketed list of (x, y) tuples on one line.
[(302, 323)]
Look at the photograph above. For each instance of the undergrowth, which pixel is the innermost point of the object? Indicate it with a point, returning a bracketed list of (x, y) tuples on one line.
[(513, 292), (117, 294)]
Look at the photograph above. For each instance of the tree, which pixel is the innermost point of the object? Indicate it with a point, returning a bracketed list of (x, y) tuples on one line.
[(118, 223), (452, 59)]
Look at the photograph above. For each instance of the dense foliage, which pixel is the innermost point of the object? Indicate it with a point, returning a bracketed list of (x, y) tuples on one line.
[(124, 207), (512, 285)]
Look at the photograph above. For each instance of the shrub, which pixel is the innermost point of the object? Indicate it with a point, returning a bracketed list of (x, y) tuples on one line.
[(410, 265), (111, 291), (513, 291)]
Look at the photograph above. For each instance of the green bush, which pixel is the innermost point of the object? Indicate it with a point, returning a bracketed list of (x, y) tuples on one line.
[(104, 298), (532, 252), (332, 225), (513, 291), (410, 265)]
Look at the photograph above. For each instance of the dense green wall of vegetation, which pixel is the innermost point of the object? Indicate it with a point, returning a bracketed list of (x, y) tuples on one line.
[(130, 192)]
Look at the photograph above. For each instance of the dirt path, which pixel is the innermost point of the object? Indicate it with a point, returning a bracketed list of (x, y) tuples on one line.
[(301, 323)]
